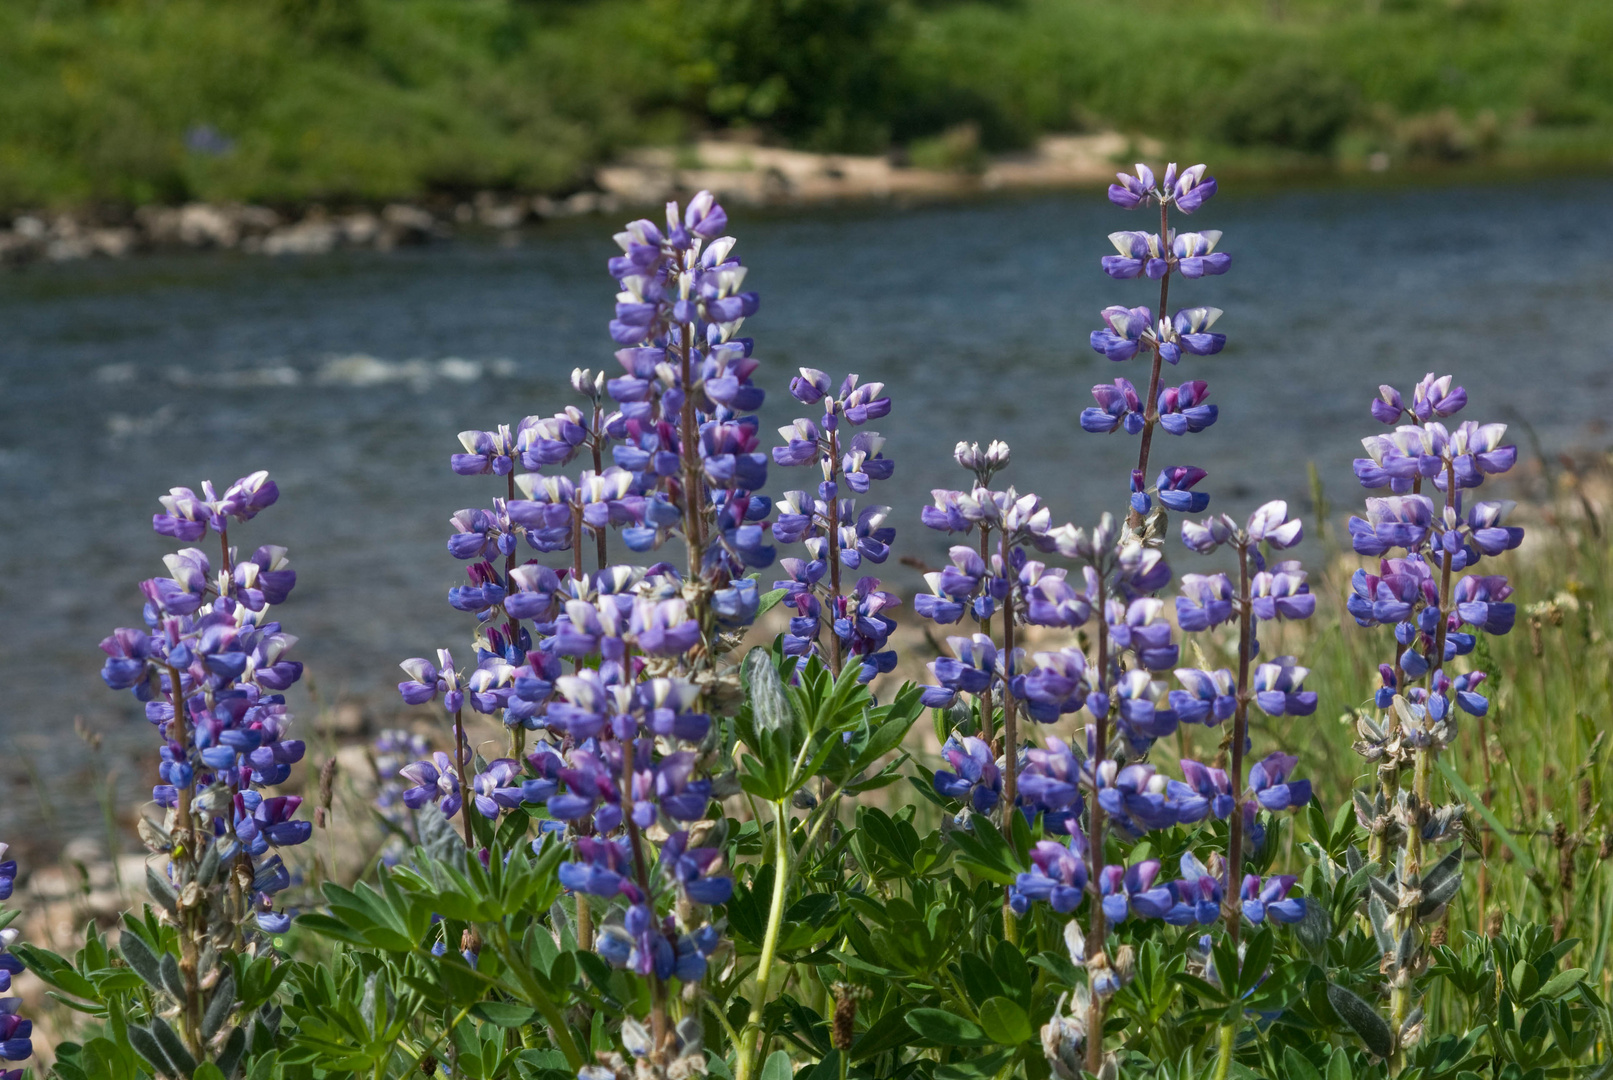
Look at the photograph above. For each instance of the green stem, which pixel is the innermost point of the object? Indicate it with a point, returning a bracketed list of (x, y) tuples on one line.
[(558, 1031), (748, 1050), (1223, 1064)]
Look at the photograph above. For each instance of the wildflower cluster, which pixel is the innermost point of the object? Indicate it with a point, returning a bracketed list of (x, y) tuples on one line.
[(614, 664), (211, 666), (1110, 793), (1423, 543)]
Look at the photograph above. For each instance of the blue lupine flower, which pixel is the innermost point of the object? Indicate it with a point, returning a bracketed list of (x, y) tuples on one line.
[(1118, 406), (1058, 875), (1130, 890), (1174, 486), (1206, 698), (1268, 780), (1198, 894), (974, 775), (1182, 410), (1279, 689), (1260, 900)]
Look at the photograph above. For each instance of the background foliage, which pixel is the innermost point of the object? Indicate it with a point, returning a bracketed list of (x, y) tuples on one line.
[(295, 100)]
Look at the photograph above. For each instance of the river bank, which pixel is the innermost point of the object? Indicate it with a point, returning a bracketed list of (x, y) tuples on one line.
[(641, 180)]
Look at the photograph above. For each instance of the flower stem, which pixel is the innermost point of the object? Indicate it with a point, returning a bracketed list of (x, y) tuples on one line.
[(460, 754), (1010, 739), (988, 719), (1096, 932), (1151, 405), (1240, 735), (185, 856), (833, 555), (748, 1049), (688, 436), (1226, 1041)]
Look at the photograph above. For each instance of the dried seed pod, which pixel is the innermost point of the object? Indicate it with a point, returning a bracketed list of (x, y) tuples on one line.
[(428, 1065), (1492, 926), (1586, 799)]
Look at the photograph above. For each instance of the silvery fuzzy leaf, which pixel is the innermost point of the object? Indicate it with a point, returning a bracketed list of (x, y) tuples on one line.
[(207, 871), (161, 890), (1314, 929), (1441, 883), (1378, 916), (219, 1006), (770, 704), (440, 838), (172, 980), (1365, 813), (140, 957), (725, 785), (145, 1044), (172, 1046), (1362, 1019), (230, 1057), (366, 1003), (1406, 948), (1385, 888), (1412, 1021), (1353, 858)]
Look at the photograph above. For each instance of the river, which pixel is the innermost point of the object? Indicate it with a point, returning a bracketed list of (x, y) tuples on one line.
[(348, 375)]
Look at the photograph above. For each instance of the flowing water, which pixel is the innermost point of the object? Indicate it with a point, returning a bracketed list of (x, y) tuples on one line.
[(348, 376)]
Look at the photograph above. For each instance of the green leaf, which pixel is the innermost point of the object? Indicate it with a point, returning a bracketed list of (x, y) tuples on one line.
[(947, 1029), (979, 1068), (777, 1066), (143, 960), (1296, 1067), (769, 601), (1338, 1066), (1005, 1022), (207, 1071), (504, 1014), (1362, 1019), (1560, 983)]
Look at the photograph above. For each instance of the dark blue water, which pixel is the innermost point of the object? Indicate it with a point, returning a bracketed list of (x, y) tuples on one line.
[(348, 376)]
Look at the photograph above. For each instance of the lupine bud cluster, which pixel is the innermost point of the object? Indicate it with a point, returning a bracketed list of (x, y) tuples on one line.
[(838, 537), (613, 664), (1424, 543), (211, 668)]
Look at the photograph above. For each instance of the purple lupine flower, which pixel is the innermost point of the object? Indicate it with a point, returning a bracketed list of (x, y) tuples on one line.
[(8, 882), (435, 781), (1279, 689), (1139, 253), (1268, 780), (1210, 784), (1140, 626), (1198, 894), (1131, 890), (1485, 528), (1206, 602), (698, 872), (1206, 698), (1260, 900), (1189, 332), (971, 669), (1132, 191), (1137, 794), (604, 868), (1281, 592), (1436, 397), (1118, 406), (1050, 783), (426, 681), (1145, 714), (487, 453), (1052, 685), (1396, 521), (1182, 410), (974, 776), (1480, 603), (496, 788), (1058, 876), (1192, 188), (1196, 255), (1389, 595), (1174, 485), (1128, 330)]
